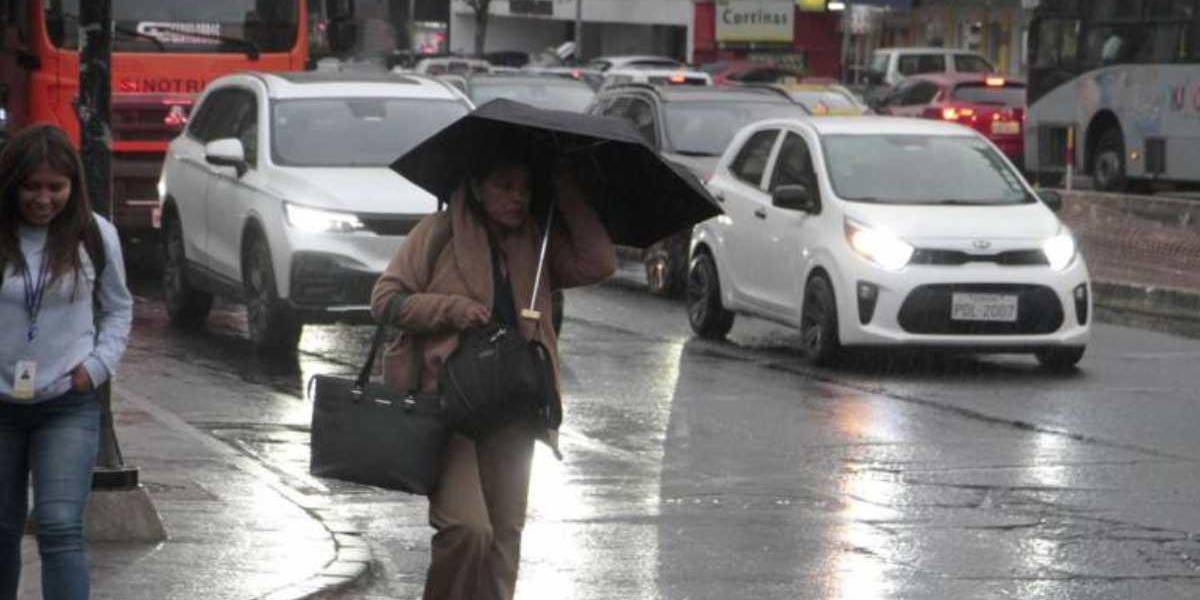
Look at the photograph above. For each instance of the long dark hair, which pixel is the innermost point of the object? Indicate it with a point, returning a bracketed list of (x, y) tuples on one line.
[(33, 147)]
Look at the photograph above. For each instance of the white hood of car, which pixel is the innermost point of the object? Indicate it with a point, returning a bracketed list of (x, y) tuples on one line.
[(915, 223), (360, 190)]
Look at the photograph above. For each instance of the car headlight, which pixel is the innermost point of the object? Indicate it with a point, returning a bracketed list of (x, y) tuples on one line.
[(879, 247), (1059, 250), (315, 220)]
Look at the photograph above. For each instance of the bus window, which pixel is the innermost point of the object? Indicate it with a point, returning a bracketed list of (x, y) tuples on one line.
[(1057, 43), (1117, 10)]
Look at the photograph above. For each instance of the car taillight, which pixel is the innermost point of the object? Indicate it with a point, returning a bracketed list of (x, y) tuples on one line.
[(952, 113)]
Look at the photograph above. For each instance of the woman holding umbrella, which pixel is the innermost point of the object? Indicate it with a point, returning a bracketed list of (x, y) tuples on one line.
[(442, 281)]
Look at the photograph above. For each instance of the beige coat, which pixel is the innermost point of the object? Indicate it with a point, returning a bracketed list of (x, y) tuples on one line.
[(580, 253)]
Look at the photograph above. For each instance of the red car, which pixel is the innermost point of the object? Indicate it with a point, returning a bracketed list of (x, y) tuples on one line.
[(733, 72), (994, 105)]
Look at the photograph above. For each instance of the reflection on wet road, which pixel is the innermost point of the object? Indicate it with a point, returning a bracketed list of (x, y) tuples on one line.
[(706, 470)]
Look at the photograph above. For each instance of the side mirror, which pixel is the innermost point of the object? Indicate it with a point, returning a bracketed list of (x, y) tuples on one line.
[(795, 197), (227, 152), (1052, 199)]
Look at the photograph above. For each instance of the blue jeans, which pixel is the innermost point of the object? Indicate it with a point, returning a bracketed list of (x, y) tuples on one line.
[(56, 440)]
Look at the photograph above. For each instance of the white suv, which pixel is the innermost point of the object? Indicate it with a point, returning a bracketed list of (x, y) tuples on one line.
[(279, 194), (878, 231)]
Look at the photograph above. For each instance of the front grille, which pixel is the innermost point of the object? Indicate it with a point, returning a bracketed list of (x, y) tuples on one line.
[(1010, 258), (391, 225), (927, 310)]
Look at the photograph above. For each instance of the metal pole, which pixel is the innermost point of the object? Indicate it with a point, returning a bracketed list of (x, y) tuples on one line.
[(95, 99), (578, 31), (532, 312)]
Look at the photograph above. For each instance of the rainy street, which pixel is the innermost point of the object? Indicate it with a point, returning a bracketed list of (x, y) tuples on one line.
[(699, 470)]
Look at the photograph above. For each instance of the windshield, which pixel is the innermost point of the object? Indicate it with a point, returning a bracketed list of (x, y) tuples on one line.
[(354, 132), (185, 25), (1010, 95), (920, 169), (706, 128), (553, 94)]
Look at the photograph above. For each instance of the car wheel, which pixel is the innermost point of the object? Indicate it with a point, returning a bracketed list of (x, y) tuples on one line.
[(707, 316), (187, 306), (665, 273), (1108, 168), (1060, 359), (272, 325), (819, 323)]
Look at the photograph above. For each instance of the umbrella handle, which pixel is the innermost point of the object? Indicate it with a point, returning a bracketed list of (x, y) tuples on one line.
[(532, 313)]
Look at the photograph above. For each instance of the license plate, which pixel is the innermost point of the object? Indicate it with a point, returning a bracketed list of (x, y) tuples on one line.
[(983, 307), (1005, 128)]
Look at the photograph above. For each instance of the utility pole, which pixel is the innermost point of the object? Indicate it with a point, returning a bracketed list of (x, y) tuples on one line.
[(120, 510), (578, 31)]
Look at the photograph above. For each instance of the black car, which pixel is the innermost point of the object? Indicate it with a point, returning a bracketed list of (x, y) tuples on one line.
[(690, 126)]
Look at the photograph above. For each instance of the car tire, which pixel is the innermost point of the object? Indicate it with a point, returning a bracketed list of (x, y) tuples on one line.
[(273, 326), (187, 306), (707, 316), (819, 323), (1108, 167), (1060, 359)]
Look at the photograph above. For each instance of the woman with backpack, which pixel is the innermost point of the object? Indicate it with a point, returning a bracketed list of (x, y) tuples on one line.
[(65, 315), (469, 266)]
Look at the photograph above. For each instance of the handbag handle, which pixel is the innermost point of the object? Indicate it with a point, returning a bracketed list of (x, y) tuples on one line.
[(365, 374)]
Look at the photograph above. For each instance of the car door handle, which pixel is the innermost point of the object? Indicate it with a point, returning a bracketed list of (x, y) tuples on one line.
[(760, 213)]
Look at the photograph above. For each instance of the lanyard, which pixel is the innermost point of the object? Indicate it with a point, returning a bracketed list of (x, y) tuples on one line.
[(34, 293)]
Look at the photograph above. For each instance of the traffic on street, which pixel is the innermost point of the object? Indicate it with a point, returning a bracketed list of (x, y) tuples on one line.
[(685, 300)]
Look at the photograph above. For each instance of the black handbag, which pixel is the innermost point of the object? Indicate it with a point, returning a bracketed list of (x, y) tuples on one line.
[(495, 377), (374, 434)]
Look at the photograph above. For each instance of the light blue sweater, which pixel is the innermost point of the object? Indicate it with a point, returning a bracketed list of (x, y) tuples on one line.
[(68, 334)]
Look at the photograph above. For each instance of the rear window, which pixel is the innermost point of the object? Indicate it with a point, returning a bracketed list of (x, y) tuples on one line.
[(969, 63), (1010, 94)]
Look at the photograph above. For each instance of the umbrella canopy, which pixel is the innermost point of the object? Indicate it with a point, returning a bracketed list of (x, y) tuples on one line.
[(639, 197)]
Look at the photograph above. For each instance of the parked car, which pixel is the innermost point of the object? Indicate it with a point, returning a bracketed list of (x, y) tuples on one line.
[(890, 66), (594, 79), (690, 126), (279, 194), (663, 77), (542, 91), (992, 105), (744, 71), (604, 63), (874, 231)]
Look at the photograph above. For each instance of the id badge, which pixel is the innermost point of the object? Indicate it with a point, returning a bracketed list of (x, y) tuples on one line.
[(23, 380)]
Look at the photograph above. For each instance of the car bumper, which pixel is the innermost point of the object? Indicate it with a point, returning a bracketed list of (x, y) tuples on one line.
[(913, 307)]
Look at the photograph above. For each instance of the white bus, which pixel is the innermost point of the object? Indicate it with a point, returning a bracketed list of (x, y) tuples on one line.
[(1117, 82)]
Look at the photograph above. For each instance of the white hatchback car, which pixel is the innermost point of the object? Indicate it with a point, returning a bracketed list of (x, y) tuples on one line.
[(279, 194), (874, 231)]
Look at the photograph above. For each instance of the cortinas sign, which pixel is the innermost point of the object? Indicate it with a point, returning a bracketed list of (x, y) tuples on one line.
[(755, 20)]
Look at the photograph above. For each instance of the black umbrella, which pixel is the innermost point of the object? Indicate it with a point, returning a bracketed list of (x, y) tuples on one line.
[(639, 197)]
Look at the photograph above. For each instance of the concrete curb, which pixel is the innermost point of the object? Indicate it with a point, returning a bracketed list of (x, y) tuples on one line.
[(1159, 302), (352, 559)]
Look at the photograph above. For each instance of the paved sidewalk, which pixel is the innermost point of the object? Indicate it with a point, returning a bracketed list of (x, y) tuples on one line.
[(235, 531)]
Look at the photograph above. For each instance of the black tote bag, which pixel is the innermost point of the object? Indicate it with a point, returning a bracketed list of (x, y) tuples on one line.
[(374, 434)]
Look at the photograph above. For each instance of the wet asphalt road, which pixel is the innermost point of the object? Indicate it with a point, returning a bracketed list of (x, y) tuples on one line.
[(698, 470)]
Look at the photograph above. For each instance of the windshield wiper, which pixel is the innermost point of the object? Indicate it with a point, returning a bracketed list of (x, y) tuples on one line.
[(121, 29), (248, 46), (695, 153)]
